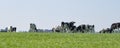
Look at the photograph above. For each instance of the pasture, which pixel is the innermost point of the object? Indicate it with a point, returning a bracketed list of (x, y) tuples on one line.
[(59, 40)]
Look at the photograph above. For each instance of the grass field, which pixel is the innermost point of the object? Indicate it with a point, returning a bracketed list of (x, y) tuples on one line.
[(59, 40)]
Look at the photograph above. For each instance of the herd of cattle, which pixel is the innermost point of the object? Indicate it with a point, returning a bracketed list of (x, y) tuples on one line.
[(69, 27), (115, 27)]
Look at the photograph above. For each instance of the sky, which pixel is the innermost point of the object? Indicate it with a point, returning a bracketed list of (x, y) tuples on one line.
[(50, 13)]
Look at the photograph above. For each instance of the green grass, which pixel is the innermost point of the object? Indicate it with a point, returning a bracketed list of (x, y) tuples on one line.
[(59, 40)]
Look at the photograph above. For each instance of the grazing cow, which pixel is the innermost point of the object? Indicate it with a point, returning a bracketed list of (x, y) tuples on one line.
[(115, 27), (32, 28), (102, 31), (107, 30), (57, 29)]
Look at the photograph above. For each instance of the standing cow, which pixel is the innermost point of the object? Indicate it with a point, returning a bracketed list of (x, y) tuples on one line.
[(12, 29), (115, 27), (85, 28), (68, 26), (32, 28)]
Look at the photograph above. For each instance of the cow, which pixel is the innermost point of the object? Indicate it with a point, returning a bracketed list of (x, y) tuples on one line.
[(57, 29), (115, 27), (91, 28), (81, 28), (12, 29), (107, 30), (85, 28), (65, 26), (72, 26), (68, 26), (32, 28)]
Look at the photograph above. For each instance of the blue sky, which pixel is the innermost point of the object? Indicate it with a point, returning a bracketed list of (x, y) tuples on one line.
[(49, 13)]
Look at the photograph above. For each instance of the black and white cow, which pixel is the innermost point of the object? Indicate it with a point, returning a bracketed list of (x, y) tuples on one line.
[(107, 30), (12, 29), (33, 28), (57, 29), (115, 27), (68, 26), (85, 28)]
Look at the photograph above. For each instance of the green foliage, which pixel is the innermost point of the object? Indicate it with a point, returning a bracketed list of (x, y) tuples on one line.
[(59, 40)]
